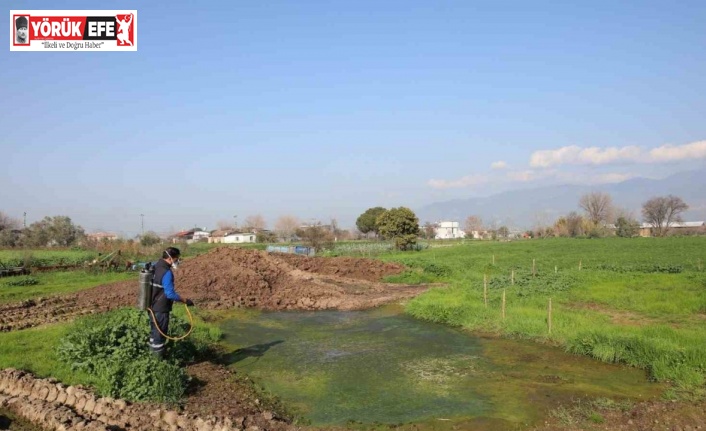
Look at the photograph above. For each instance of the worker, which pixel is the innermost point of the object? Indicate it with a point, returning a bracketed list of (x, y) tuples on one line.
[(163, 296)]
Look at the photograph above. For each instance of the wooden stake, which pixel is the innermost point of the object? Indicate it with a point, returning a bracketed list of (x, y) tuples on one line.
[(503, 304), (534, 272), (579, 265), (512, 277), (549, 316), (556, 269), (485, 290), (493, 259)]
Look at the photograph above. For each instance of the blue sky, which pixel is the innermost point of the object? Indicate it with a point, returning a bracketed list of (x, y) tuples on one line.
[(324, 109)]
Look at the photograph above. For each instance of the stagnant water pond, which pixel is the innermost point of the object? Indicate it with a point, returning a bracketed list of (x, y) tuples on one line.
[(382, 366)]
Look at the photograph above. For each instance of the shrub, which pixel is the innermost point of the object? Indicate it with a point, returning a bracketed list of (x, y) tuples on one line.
[(113, 347), (22, 281)]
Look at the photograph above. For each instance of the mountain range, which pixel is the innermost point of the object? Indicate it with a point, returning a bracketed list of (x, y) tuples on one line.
[(523, 209)]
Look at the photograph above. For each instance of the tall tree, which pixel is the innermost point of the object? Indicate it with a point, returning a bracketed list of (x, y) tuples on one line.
[(7, 222), (367, 222), (57, 230), (598, 207), (429, 230), (286, 225), (225, 225), (254, 222), (399, 224), (662, 211), (472, 223)]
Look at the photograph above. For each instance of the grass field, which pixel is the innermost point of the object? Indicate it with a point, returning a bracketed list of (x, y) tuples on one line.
[(52, 283), (19, 257), (639, 301)]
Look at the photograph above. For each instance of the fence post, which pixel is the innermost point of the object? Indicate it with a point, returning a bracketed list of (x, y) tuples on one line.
[(493, 259), (533, 268), (512, 277), (485, 290), (579, 265), (503, 304), (556, 269), (549, 316)]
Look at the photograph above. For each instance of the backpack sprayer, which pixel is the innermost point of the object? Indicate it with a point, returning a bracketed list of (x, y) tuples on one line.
[(144, 300)]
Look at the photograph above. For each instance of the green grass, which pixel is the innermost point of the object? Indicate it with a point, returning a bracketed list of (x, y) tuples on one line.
[(637, 301), (35, 350), (51, 283), (16, 257)]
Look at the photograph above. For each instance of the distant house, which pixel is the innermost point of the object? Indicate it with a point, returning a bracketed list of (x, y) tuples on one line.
[(99, 236), (448, 230), (190, 236), (217, 236), (239, 238), (201, 235), (687, 227)]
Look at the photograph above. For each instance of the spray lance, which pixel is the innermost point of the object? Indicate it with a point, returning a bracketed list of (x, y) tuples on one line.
[(144, 300)]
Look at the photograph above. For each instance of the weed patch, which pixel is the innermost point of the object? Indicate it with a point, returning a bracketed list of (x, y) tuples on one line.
[(113, 348)]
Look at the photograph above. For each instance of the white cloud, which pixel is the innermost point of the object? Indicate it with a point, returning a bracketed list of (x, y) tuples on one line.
[(671, 153), (500, 164), (575, 155), (467, 181)]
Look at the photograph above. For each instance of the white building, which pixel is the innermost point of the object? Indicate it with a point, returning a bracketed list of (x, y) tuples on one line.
[(239, 238), (448, 230)]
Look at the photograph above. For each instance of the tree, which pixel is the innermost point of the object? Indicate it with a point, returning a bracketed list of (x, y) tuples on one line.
[(399, 224), (627, 227), (254, 222), (225, 225), (150, 238), (286, 225), (316, 236), (503, 232), (598, 207), (266, 236), (429, 230), (472, 224), (571, 225), (8, 226), (57, 230), (7, 222), (662, 211), (367, 222)]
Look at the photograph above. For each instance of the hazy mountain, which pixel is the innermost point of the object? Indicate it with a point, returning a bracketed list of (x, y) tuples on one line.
[(525, 208)]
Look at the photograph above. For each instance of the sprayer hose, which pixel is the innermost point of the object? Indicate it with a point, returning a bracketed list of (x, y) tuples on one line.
[(191, 324)]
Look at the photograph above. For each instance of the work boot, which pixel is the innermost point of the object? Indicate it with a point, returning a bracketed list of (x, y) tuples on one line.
[(159, 354)]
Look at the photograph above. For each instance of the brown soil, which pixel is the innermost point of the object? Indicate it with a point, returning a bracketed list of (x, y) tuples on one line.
[(230, 277), (648, 415)]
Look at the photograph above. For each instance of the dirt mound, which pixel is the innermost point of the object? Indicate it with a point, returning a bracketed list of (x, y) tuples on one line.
[(231, 277), (350, 267), (228, 277)]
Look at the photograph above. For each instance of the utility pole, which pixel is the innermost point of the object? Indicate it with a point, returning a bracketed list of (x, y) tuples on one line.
[(24, 223), (235, 221), (142, 218)]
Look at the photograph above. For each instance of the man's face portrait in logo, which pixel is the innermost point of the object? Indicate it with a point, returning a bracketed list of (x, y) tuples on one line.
[(21, 33)]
